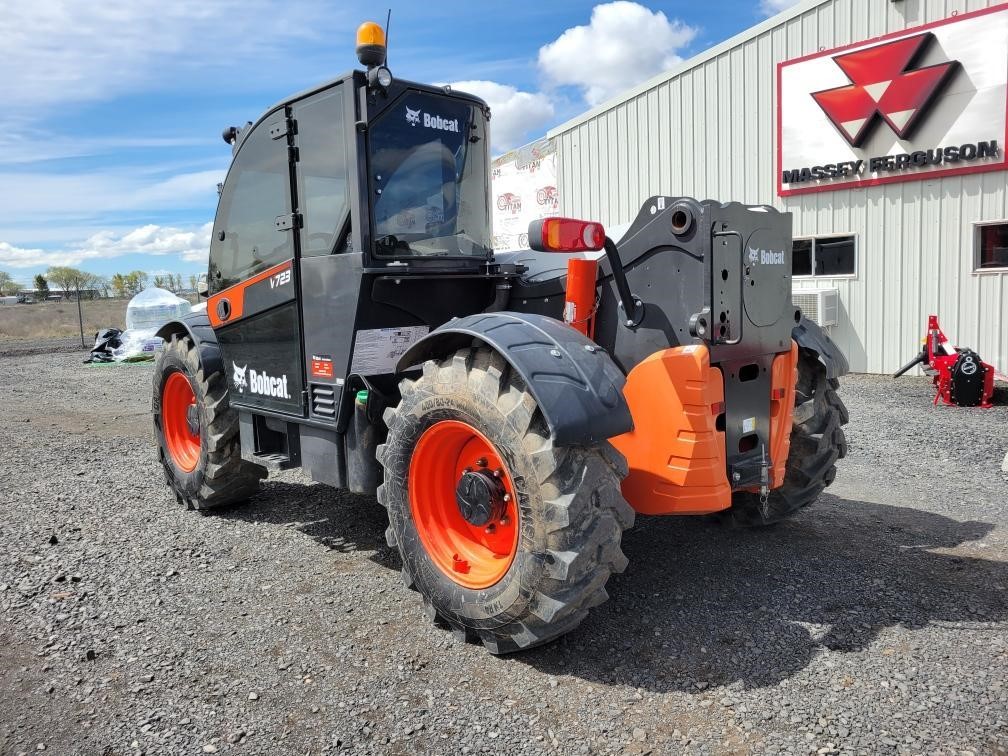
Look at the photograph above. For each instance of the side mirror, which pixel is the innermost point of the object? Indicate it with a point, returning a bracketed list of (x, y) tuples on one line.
[(201, 286)]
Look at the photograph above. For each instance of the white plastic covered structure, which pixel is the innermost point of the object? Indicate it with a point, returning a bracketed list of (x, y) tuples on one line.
[(145, 314)]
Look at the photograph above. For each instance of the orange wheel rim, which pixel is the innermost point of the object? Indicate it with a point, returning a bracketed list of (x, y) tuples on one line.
[(179, 421), (448, 454)]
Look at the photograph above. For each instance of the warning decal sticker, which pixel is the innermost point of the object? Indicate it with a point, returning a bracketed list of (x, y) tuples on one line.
[(377, 350), (321, 366)]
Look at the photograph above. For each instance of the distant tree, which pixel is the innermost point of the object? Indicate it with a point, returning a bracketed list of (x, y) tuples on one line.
[(41, 287), (68, 279), (102, 284), (193, 280), (135, 282), (76, 281), (120, 286), (7, 284), (162, 282), (178, 283)]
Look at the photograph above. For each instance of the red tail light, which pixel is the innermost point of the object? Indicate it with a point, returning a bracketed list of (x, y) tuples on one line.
[(565, 235)]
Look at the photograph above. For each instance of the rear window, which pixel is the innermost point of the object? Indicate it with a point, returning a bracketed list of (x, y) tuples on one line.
[(428, 178)]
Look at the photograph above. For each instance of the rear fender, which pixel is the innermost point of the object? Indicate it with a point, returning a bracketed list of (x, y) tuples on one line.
[(809, 335), (197, 326), (575, 382)]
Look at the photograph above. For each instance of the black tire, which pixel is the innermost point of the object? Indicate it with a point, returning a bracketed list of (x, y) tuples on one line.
[(571, 512), (221, 476), (817, 442)]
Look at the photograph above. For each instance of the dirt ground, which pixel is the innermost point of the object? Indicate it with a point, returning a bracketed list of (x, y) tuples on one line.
[(52, 320), (47, 320), (874, 622)]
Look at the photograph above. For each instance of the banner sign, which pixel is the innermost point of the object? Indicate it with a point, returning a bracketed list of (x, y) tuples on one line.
[(523, 189), (921, 103)]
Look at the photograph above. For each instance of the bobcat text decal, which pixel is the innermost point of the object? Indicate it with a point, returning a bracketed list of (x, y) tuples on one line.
[(259, 383), (414, 118)]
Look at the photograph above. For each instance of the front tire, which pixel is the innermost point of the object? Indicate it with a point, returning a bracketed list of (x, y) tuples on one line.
[(555, 536), (197, 432), (817, 442)]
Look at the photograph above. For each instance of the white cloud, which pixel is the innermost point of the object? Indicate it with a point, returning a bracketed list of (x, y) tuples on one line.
[(26, 145), (190, 245), (61, 51), (623, 45), (53, 197), (770, 7), (515, 116)]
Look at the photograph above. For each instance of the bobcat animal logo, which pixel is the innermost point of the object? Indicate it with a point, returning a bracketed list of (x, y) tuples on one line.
[(753, 256), (240, 381), (412, 116)]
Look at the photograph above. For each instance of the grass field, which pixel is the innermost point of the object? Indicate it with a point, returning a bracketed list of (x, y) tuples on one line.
[(49, 320)]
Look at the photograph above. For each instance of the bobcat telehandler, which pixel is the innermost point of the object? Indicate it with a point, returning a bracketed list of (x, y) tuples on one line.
[(511, 412)]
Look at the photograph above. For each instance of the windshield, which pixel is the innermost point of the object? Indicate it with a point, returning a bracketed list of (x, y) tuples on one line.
[(428, 178)]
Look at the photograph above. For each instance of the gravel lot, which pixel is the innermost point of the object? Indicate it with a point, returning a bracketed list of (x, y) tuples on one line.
[(874, 622)]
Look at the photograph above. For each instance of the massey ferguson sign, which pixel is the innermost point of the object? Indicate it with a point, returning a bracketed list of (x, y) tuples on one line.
[(922, 103)]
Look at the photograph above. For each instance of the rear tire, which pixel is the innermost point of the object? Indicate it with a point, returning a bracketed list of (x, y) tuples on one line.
[(817, 442), (570, 514), (203, 469)]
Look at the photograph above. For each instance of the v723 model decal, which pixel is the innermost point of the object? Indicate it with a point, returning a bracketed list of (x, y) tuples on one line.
[(264, 290), (279, 279)]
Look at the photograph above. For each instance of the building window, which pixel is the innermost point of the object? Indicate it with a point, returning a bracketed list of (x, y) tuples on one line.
[(992, 246), (824, 256)]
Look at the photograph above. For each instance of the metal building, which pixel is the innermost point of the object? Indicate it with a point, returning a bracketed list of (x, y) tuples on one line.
[(880, 124)]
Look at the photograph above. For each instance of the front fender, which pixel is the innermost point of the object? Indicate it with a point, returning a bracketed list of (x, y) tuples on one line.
[(196, 325), (575, 382), (809, 335)]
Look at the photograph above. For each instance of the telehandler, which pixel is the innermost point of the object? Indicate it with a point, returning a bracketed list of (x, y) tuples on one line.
[(512, 412)]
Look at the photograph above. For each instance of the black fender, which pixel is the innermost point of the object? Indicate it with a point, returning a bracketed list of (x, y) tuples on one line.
[(197, 326), (809, 335), (575, 382)]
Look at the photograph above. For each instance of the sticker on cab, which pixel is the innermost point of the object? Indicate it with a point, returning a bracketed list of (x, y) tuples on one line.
[(377, 350), (321, 366)]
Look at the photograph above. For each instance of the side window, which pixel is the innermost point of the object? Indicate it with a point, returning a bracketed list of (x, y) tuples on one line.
[(835, 256), (992, 246), (825, 256), (801, 257), (245, 239), (322, 188)]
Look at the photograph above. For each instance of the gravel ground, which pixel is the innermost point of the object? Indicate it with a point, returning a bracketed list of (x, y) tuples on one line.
[(875, 622)]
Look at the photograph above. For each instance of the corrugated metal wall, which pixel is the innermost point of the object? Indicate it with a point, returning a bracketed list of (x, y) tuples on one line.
[(710, 132)]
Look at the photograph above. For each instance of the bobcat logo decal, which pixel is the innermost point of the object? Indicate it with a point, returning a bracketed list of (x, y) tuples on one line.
[(753, 256), (239, 379), (412, 116)]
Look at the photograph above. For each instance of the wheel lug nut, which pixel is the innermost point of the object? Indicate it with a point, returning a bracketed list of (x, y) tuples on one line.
[(490, 528), (481, 462), (507, 497), (498, 472), (505, 520)]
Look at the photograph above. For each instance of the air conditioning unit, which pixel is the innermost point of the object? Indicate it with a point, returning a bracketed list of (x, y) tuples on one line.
[(821, 306)]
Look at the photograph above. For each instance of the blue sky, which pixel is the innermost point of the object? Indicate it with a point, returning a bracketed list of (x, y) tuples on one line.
[(110, 147)]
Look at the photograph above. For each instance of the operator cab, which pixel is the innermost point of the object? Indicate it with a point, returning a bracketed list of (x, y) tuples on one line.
[(349, 217)]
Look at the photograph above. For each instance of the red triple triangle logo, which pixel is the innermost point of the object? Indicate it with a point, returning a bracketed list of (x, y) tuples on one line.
[(884, 85)]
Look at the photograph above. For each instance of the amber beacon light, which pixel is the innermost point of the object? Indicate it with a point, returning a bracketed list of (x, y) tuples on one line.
[(370, 44)]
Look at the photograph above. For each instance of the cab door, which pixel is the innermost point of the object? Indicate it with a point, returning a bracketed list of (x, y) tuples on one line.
[(253, 277), (330, 269)]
